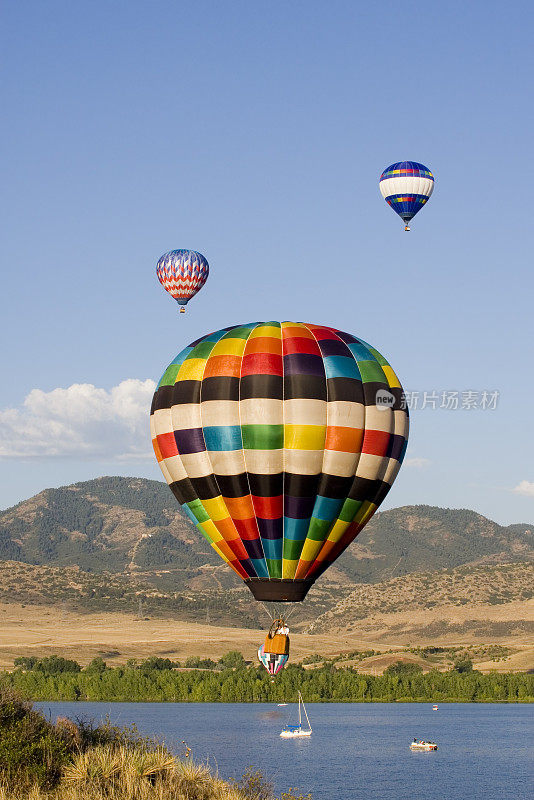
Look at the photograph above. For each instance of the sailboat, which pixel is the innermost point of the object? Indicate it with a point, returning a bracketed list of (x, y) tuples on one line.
[(290, 731)]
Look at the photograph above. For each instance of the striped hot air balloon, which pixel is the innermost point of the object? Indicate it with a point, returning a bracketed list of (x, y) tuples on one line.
[(272, 662), (280, 440), (182, 273), (406, 187)]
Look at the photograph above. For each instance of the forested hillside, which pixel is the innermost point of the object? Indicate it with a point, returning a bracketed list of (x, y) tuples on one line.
[(134, 526)]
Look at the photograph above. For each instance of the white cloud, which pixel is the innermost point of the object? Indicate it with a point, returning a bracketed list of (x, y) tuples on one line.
[(418, 463), (80, 421), (525, 488)]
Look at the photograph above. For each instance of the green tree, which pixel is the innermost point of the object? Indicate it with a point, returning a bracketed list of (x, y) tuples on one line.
[(404, 668), (97, 665), (53, 665), (232, 660), (463, 664), (155, 663), (26, 662)]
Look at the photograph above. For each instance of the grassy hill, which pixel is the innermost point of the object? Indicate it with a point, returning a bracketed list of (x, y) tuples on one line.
[(466, 586), (508, 587), (135, 527), (420, 538), (50, 610), (70, 588)]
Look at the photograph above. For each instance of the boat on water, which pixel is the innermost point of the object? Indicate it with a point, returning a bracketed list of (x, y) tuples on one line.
[(420, 744), (435, 708), (281, 704), (292, 731)]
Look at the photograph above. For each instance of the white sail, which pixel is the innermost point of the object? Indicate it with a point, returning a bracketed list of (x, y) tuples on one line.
[(305, 712), (291, 731)]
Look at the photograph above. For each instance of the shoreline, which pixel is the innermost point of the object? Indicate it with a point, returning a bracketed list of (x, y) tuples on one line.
[(294, 702)]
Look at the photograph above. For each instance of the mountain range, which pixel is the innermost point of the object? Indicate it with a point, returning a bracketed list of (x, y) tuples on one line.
[(135, 527)]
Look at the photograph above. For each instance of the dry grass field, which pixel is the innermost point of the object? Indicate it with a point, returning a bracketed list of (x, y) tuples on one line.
[(79, 615), (31, 630), (44, 630)]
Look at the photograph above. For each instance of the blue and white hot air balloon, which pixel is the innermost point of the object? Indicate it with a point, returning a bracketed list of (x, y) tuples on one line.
[(182, 273), (406, 187)]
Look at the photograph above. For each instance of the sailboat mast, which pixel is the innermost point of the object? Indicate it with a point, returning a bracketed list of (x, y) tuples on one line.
[(300, 713), (307, 720)]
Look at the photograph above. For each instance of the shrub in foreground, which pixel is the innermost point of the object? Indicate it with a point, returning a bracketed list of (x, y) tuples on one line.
[(81, 761), (32, 750), (115, 773)]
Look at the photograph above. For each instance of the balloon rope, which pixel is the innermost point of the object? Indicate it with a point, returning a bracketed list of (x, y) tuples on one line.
[(268, 612), (291, 613)]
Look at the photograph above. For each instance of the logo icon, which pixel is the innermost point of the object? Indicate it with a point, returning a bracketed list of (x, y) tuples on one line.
[(384, 400)]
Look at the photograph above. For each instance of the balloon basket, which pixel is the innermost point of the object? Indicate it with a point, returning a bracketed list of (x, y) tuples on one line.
[(276, 590)]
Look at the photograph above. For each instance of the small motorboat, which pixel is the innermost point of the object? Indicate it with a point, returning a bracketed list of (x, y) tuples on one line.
[(281, 704), (292, 731), (420, 744), (435, 708)]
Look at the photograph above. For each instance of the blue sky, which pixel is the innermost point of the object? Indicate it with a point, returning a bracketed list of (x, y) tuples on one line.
[(256, 133)]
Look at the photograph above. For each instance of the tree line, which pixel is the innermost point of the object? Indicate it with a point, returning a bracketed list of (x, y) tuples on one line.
[(231, 680)]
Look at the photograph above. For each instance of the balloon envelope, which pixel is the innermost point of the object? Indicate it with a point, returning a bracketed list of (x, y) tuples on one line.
[(280, 440), (182, 273), (272, 663), (406, 187)]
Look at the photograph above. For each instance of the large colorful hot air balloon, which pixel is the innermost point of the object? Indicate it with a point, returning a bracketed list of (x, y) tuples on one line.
[(406, 187), (280, 440), (182, 273)]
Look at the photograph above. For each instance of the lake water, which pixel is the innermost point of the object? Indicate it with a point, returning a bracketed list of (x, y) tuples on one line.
[(486, 751)]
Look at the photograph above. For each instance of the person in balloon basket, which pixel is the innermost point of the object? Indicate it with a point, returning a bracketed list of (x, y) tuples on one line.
[(277, 640)]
